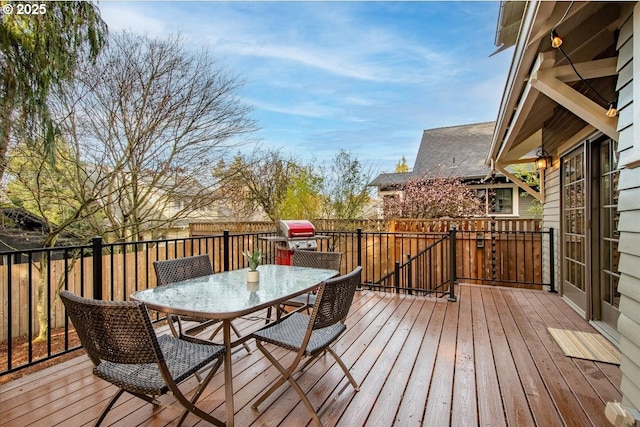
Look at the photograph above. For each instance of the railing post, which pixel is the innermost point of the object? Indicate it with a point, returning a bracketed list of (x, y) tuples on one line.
[(552, 262), (452, 265), (396, 277), (409, 275), (359, 250), (494, 236), (359, 253), (97, 267), (225, 250)]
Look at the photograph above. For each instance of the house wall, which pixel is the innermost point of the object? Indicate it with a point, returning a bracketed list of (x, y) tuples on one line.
[(551, 219), (526, 201), (629, 209)]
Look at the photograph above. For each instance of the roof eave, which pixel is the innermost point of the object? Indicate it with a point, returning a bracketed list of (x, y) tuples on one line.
[(525, 53)]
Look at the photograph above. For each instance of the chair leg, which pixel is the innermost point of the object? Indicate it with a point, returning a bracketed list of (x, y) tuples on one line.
[(190, 405), (305, 400), (277, 384), (344, 369), (309, 361), (269, 310), (244, 343), (286, 376), (108, 407), (170, 320)]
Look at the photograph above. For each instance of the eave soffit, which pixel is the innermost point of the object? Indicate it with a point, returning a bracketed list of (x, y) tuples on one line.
[(552, 78)]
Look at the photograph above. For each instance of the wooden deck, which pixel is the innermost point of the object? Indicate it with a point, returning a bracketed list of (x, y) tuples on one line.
[(486, 360)]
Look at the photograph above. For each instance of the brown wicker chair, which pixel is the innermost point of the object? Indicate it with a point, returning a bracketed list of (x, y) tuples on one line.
[(177, 270), (310, 336), (313, 259), (123, 346)]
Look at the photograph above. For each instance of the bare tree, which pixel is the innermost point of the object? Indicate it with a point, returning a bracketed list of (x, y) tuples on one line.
[(260, 181), (53, 191), (282, 187), (346, 187), (153, 119)]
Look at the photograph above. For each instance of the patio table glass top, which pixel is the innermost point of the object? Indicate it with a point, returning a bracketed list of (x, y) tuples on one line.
[(228, 295)]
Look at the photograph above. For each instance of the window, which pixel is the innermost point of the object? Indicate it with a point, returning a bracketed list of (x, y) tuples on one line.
[(499, 200), (503, 203)]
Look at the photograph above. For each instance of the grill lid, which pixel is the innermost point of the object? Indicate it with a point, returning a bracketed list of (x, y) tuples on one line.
[(296, 229)]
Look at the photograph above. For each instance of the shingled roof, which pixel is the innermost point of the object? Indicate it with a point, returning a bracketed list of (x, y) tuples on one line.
[(458, 151)]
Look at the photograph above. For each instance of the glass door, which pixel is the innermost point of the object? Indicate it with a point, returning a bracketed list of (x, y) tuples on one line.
[(607, 302), (574, 233)]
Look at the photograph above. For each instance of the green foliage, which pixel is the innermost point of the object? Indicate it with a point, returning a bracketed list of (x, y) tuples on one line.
[(402, 166), (253, 258), (258, 180), (37, 54), (285, 188), (346, 187), (528, 175), (535, 209), (54, 191), (303, 198)]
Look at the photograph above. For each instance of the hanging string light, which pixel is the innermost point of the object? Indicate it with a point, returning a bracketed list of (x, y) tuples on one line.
[(556, 43)]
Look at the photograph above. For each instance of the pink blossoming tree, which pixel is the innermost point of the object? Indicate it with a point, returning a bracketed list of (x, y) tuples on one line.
[(426, 197)]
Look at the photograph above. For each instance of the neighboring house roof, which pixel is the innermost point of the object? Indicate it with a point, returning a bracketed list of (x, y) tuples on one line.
[(460, 150), (387, 179), (27, 231), (457, 151)]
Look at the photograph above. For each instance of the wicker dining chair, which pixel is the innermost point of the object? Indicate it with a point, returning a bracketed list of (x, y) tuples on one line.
[(125, 351), (313, 259), (310, 336), (177, 270)]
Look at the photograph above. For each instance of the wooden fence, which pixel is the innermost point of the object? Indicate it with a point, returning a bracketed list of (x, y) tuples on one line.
[(381, 225)]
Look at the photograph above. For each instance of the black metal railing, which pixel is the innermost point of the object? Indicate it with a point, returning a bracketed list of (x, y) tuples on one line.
[(416, 263), (427, 272), (506, 258)]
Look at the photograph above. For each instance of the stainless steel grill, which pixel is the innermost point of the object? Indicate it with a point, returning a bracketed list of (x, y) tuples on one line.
[(298, 234), (293, 235)]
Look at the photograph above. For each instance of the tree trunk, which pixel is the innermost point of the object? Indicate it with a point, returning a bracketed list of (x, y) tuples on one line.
[(6, 111), (42, 301)]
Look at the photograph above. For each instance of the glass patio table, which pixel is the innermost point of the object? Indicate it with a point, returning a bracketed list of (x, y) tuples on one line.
[(226, 296)]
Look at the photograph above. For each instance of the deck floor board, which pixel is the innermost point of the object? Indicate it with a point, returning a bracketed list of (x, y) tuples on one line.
[(486, 359)]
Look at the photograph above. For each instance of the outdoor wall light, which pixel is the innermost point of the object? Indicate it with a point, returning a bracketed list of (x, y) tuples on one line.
[(613, 109), (543, 160), (556, 41)]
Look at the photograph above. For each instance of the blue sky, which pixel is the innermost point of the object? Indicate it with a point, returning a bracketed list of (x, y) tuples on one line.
[(368, 77)]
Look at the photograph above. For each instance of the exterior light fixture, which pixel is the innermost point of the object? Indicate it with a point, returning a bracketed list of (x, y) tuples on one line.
[(613, 109), (543, 160), (556, 41)]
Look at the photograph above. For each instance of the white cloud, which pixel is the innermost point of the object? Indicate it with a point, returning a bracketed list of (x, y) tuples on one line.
[(370, 75), (121, 17), (303, 110)]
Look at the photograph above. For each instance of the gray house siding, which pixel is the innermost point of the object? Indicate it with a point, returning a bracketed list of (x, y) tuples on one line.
[(629, 225), (551, 219)]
